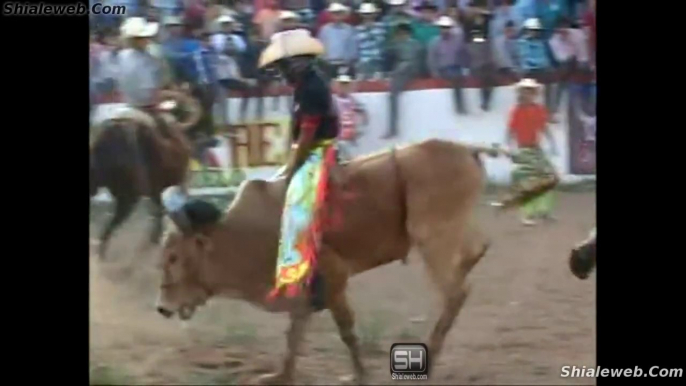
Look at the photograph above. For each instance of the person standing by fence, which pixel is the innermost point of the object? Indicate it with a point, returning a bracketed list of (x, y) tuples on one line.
[(349, 109), (527, 121)]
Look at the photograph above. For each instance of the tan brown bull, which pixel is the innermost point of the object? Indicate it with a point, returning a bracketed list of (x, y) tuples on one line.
[(131, 158), (419, 196)]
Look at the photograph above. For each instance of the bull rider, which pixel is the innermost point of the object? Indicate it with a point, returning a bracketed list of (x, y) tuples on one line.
[(312, 163)]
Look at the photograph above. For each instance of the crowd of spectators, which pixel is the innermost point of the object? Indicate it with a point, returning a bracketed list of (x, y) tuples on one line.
[(216, 43)]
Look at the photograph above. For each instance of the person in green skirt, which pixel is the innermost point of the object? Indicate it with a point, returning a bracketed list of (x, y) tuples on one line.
[(527, 124)]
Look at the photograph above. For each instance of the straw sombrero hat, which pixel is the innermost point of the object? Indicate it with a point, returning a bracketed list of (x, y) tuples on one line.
[(291, 43), (528, 83), (367, 8), (138, 27)]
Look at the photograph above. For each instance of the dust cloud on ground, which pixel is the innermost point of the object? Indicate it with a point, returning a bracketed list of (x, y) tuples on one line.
[(526, 317)]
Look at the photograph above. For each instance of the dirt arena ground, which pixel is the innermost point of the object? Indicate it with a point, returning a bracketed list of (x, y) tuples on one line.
[(527, 316)]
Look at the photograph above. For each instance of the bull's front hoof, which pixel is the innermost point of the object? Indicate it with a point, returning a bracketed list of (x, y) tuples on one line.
[(274, 379)]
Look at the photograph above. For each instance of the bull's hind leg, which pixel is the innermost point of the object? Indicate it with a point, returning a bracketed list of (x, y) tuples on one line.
[(449, 259), (123, 207)]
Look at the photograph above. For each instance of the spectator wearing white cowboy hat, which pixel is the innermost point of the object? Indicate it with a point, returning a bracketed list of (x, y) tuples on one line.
[(289, 20), (172, 26), (446, 58), (339, 41), (140, 73), (371, 39), (326, 16), (533, 57), (225, 40), (229, 46)]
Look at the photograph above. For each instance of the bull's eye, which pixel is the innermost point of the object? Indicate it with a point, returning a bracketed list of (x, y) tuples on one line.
[(172, 258)]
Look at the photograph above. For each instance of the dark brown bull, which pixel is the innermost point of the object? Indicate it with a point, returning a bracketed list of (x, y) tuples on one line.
[(132, 158), (582, 259)]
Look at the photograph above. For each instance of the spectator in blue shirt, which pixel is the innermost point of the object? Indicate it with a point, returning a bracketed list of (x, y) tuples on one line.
[(504, 13), (533, 56)]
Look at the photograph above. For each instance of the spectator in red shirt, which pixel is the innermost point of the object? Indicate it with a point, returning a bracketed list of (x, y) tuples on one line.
[(326, 17)]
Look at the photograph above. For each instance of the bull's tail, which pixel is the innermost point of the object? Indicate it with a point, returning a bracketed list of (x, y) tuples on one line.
[(523, 194), (402, 190), (491, 151)]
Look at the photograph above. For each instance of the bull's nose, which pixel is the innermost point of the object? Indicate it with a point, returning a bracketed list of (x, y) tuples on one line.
[(165, 312)]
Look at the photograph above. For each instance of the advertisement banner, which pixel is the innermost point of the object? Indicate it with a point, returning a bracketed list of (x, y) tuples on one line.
[(246, 150), (582, 129)]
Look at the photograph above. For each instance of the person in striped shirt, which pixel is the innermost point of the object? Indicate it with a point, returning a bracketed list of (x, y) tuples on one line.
[(349, 109), (371, 36)]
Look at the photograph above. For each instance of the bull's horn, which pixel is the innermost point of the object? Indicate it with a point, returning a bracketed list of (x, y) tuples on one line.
[(191, 105)]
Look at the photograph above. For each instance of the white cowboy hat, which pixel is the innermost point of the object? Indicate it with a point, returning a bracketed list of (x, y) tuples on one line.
[(445, 21), (367, 8), (172, 20), (396, 2), (532, 23), (138, 27), (343, 78), (225, 19), (528, 83), (291, 43), (337, 7), (288, 15)]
